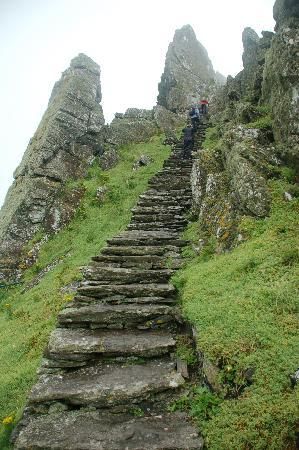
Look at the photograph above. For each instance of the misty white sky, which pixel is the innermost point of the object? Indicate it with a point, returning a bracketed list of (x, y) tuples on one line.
[(127, 38)]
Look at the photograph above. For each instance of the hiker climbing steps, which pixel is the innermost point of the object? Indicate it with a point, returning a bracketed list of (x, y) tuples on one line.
[(114, 347)]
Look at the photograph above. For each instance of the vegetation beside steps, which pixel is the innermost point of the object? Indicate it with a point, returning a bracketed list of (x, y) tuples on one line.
[(27, 315), (244, 305)]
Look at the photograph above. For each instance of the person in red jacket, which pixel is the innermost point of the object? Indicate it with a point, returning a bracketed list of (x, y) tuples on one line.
[(204, 106)]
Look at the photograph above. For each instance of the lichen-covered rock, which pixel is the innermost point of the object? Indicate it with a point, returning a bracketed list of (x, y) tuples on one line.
[(167, 120), (144, 160), (188, 72), (135, 125), (109, 159), (283, 10), (245, 158), (255, 49), (246, 112), (101, 193), (63, 209), (281, 77), (212, 200), (246, 87), (61, 148)]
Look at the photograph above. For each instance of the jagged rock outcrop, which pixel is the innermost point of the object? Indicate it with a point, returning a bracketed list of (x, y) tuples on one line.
[(230, 180), (239, 94), (62, 148), (281, 77), (253, 61), (135, 125), (188, 73)]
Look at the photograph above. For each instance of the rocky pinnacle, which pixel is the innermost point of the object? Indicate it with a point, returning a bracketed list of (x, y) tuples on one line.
[(61, 148)]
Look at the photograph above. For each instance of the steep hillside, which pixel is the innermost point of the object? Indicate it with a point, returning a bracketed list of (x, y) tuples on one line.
[(238, 285), (28, 312)]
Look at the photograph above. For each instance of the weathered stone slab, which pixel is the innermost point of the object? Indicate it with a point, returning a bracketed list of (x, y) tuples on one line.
[(126, 290), (118, 316), (142, 262), (141, 239), (107, 385), (78, 430), (118, 275), (141, 250), (82, 300), (82, 344)]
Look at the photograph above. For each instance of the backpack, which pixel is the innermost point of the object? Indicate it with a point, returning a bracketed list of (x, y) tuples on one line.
[(192, 113)]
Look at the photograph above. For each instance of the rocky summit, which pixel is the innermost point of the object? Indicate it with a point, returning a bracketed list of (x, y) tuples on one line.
[(188, 73), (61, 149)]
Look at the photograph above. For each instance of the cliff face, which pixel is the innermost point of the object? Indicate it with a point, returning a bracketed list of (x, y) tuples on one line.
[(230, 175), (188, 72), (61, 149), (281, 77)]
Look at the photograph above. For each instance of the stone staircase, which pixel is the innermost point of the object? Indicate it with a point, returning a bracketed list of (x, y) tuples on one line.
[(110, 368)]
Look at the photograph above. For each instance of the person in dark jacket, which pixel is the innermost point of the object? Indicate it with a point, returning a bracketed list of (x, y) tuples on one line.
[(188, 141)]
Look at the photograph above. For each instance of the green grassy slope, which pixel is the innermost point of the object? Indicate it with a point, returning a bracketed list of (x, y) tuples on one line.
[(244, 305), (26, 319)]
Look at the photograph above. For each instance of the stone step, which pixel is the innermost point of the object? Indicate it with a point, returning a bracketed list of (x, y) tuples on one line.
[(126, 276), (83, 300), (165, 216), (155, 226), (83, 345), (172, 191), (141, 262), (95, 430), (154, 202), (168, 193), (141, 238), (142, 250), (118, 316), (172, 185), (163, 197), (163, 200), (106, 385), (126, 290), (158, 210)]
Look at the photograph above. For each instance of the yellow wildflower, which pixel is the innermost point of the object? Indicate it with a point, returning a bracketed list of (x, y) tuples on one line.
[(7, 420)]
